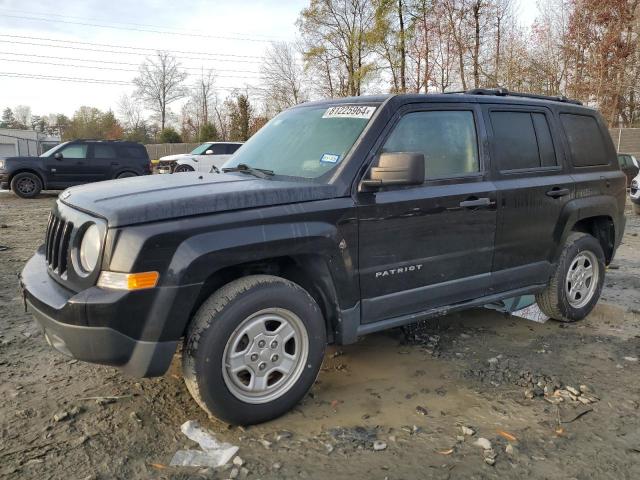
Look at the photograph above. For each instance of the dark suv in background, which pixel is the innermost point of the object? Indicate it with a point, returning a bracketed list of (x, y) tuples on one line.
[(73, 163), (337, 219)]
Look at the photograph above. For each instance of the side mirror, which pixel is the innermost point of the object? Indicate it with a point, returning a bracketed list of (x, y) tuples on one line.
[(209, 152), (58, 156), (402, 168)]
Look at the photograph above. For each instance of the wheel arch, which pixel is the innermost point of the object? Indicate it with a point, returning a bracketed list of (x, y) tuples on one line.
[(309, 271), (596, 216), (28, 170)]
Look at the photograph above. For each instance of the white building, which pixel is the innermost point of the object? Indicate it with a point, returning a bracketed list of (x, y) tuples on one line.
[(25, 143)]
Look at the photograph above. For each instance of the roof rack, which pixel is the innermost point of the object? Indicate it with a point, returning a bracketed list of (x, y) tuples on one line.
[(99, 140), (503, 92)]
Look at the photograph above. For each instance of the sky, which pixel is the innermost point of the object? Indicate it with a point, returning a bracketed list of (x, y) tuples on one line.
[(103, 43)]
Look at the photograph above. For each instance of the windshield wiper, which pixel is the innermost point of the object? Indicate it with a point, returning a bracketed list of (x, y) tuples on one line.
[(214, 169), (244, 168)]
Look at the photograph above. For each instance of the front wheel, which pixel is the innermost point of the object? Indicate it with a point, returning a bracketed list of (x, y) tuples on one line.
[(577, 282), (254, 349), (26, 185), (184, 168)]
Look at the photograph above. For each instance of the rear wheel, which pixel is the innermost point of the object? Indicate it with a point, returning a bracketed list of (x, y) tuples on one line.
[(126, 175), (184, 168), (254, 349), (577, 282), (26, 185)]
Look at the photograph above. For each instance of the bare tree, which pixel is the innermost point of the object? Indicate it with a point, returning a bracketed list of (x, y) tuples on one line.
[(195, 113), (282, 76), (130, 112), (336, 35), (160, 83), (22, 114)]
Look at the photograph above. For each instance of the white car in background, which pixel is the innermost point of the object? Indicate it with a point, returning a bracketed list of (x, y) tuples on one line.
[(201, 159)]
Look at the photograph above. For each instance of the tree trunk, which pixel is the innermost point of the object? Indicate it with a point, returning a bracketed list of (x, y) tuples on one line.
[(403, 51), (476, 47)]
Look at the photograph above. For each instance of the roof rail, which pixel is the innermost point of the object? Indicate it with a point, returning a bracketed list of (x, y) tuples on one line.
[(503, 92), (99, 140)]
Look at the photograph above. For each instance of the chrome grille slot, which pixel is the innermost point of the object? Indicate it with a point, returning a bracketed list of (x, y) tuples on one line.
[(57, 243)]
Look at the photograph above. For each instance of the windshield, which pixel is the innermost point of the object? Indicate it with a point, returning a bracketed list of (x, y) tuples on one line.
[(199, 150), (53, 150), (305, 142)]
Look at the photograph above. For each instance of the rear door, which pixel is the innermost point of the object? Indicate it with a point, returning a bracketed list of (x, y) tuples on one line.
[(430, 245), (104, 162), (533, 185)]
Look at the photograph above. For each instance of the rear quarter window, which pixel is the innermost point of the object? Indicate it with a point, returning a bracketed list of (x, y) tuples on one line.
[(132, 151), (586, 142)]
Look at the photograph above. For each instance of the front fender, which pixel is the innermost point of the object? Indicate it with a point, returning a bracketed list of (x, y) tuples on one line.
[(319, 236)]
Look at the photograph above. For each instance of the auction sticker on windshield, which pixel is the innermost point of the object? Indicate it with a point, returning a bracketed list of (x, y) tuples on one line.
[(330, 158), (349, 111)]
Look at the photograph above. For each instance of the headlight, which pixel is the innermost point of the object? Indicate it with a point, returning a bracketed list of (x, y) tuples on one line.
[(90, 248), (1, 164)]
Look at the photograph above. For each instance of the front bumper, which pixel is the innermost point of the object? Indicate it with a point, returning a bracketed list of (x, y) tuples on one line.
[(634, 194), (127, 330), (4, 181)]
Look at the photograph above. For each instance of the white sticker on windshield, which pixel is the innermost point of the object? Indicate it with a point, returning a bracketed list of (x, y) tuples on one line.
[(349, 111), (330, 158)]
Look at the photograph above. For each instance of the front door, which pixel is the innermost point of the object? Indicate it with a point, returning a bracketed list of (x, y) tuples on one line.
[(431, 245), (71, 169)]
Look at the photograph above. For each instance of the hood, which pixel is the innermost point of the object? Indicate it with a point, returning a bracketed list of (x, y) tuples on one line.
[(169, 158), (18, 159), (161, 197)]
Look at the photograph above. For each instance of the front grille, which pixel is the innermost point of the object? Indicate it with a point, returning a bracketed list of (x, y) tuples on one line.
[(57, 243)]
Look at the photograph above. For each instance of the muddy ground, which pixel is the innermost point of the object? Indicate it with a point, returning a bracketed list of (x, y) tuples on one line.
[(411, 389)]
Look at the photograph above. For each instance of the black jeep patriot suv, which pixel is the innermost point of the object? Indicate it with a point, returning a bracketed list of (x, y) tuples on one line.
[(337, 219), (73, 163)]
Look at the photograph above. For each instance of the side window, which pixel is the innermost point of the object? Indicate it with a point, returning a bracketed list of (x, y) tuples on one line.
[(131, 152), (232, 147), (447, 139), (585, 140), (622, 160), (75, 151), (217, 149), (522, 141), (104, 151), (545, 141)]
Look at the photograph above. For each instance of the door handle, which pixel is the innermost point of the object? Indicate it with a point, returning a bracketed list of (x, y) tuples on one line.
[(557, 192), (476, 202), (114, 164)]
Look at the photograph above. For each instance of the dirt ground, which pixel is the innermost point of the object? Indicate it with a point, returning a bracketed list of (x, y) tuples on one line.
[(410, 390)]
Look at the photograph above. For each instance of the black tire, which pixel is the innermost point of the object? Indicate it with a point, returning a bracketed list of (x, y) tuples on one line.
[(126, 175), (636, 208), (26, 185), (184, 168), (216, 323), (554, 300)]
